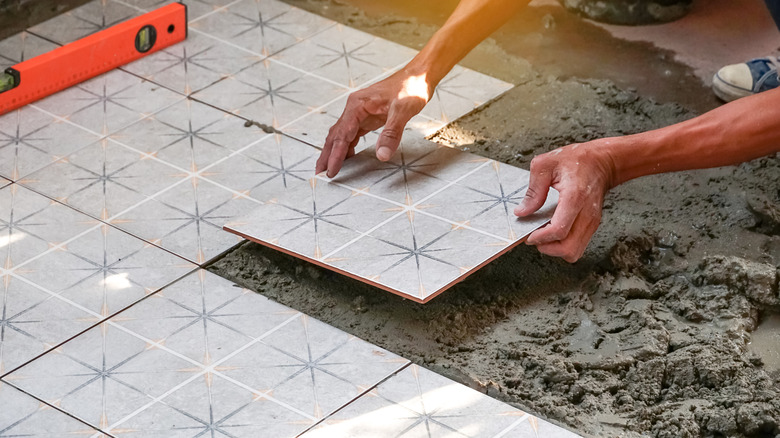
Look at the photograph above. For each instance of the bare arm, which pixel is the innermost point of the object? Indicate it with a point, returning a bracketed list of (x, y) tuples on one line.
[(395, 100), (733, 133)]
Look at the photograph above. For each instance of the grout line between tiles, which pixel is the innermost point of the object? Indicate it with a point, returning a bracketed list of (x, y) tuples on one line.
[(356, 398), (56, 408), (512, 426), (101, 318)]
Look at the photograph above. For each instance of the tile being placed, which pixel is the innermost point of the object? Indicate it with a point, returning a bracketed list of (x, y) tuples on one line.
[(104, 179), (426, 219), (189, 135), (268, 169), (346, 56), (21, 47), (419, 403), (187, 219), (271, 93), (109, 102), (84, 20), (204, 356), (31, 139), (262, 26), (193, 64), (460, 92), (24, 416)]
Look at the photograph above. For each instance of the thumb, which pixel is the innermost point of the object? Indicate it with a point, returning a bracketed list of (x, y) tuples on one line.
[(538, 187), (397, 117)]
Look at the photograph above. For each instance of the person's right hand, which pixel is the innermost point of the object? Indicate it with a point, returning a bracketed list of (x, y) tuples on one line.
[(390, 103)]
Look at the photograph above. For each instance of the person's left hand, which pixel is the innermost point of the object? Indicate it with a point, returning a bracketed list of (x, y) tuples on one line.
[(582, 174)]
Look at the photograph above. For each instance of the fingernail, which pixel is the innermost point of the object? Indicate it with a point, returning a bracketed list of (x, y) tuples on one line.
[(383, 153)]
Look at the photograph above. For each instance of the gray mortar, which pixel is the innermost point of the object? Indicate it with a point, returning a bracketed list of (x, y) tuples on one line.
[(646, 336)]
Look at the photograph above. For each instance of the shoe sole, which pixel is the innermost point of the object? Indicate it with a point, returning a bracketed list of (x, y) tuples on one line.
[(726, 91)]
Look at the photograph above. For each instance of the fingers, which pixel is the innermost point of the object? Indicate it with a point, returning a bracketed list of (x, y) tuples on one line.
[(538, 187), (341, 138), (573, 246), (569, 207), (397, 117)]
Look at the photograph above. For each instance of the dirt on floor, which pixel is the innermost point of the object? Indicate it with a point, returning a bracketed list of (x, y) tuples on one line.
[(668, 327)]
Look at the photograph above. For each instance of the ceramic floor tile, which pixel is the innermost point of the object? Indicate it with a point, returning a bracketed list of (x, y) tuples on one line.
[(104, 270), (104, 179), (262, 26), (419, 403), (346, 56), (21, 47), (189, 135), (84, 20), (267, 169), (193, 64), (486, 201), (420, 229), (203, 355), (270, 93), (535, 427), (314, 219), (195, 8), (31, 139), (188, 219), (31, 224), (460, 92), (109, 102), (24, 416), (312, 366)]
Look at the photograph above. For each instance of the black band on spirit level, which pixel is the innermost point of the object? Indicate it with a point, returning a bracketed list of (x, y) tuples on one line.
[(9, 79)]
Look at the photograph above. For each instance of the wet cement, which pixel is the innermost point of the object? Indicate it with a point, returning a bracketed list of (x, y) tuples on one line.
[(654, 333)]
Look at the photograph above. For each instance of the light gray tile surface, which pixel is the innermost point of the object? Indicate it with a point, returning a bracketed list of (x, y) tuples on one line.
[(30, 139), (21, 47), (414, 225), (193, 64), (419, 403), (84, 20), (205, 355), (24, 416), (261, 26), (105, 179), (195, 8)]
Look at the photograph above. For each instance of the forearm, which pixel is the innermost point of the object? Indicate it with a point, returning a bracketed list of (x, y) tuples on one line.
[(739, 131), (470, 23)]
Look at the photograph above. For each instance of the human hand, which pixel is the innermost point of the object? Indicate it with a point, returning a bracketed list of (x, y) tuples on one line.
[(390, 103), (582, 174)]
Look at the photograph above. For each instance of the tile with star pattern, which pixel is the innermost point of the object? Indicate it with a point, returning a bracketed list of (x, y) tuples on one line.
[(262, 26), (346, 56), (271, 93), (195, 8), (416, 254), (109, 102), (24, 416), (312, 367), (84, 20), (189, 135), (486, 201), (187, 219), (314, 219), (205, 355), (419, 403), (267, 169), (104, 179), (104, 270), (417, 237), (22, 47), (460, 92), (30, 139), (193, 64)]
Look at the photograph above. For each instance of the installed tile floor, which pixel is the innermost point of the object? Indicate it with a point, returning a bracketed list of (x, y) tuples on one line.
[(113, 191), (414, 225)]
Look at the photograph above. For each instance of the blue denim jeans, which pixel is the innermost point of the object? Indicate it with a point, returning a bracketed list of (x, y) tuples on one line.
[(774, 9)]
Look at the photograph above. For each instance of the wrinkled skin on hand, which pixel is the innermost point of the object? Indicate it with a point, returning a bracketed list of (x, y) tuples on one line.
[(582, 173), (390, 103)]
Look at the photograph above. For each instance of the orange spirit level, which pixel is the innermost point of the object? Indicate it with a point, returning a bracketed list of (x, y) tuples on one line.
[(90, 56)]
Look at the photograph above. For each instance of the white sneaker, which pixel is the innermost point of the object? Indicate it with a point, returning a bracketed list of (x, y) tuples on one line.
[(739, 80)]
